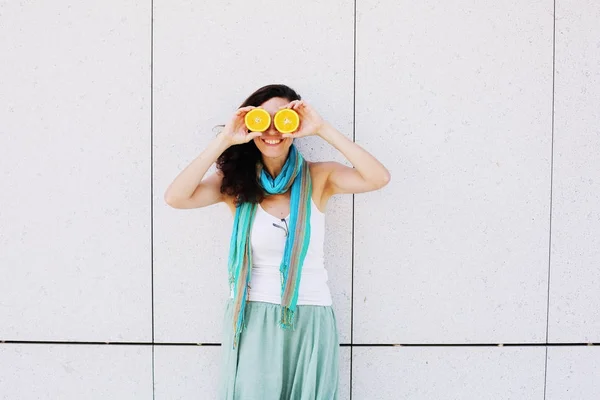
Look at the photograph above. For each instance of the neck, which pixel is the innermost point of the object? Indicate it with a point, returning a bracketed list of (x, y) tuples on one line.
[(274, 165)]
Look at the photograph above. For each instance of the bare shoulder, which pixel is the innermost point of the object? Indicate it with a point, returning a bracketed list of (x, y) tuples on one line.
[(225, 198), (230, 203), (319, 173), (321, 169)]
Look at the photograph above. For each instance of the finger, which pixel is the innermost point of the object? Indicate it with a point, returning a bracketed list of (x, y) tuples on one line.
[(297, 133), (287, 135), (292, 104), (244, 110), (254, 135)]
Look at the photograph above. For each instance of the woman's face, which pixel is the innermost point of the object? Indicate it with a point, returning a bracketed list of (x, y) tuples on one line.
[(271, 144)]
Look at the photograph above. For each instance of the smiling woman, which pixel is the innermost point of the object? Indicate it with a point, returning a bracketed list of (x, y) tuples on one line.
[(237, 163), (280, 337)]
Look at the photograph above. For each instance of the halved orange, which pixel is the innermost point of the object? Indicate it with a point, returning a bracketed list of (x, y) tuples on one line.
[(286, 120), (257, 120)]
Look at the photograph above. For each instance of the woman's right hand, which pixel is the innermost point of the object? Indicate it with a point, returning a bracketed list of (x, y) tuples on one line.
[(236, 132)]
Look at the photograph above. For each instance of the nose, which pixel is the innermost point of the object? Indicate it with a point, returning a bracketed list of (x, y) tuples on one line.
[(272, 131)]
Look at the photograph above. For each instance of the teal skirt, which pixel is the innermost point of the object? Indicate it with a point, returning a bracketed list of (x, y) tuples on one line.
[(271, 363)]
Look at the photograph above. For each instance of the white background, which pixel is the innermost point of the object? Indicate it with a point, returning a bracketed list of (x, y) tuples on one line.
[(481, 257)]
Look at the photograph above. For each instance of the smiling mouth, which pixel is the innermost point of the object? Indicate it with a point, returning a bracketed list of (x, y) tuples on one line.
[(272, 142)]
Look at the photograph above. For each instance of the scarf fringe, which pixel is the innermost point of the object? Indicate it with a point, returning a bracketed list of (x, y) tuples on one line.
[(287, 318)]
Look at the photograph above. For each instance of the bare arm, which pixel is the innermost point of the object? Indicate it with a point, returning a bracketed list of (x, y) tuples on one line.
[(368, 173), (190, 189)]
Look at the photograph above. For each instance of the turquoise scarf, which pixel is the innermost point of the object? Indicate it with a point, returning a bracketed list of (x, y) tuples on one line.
[(295, 175)]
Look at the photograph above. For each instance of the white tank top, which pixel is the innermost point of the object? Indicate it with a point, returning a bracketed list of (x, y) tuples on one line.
[(268, 243)]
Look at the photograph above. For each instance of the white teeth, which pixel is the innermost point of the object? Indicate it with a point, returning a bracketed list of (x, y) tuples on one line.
[(272, 141)]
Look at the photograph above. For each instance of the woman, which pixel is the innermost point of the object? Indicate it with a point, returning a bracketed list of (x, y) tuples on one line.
[(280, 338)]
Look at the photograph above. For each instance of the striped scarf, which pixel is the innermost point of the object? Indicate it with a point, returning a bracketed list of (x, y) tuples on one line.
[(295, 175)]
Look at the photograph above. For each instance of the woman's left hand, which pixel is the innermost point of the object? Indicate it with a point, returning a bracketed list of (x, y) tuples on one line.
[(310, 121)]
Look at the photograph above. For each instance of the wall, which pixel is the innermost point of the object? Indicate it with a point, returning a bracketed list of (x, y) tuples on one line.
[(474, 274)]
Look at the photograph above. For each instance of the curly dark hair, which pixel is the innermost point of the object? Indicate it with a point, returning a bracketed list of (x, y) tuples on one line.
[(238, 163)]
